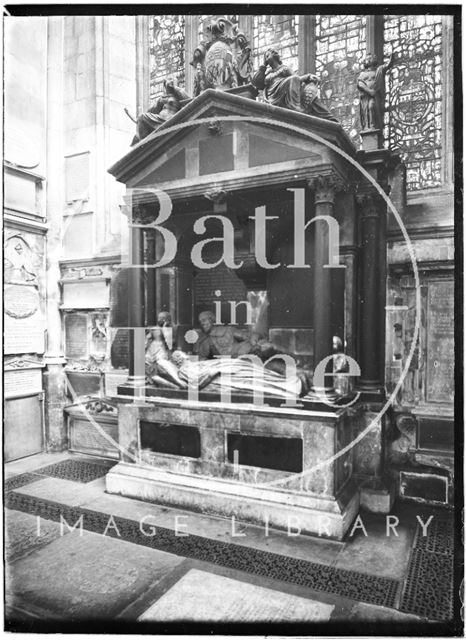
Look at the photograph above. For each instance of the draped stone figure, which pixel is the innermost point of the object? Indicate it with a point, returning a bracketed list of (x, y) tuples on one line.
[(165, 107), (237, 374), (283, 88), (371, 86)]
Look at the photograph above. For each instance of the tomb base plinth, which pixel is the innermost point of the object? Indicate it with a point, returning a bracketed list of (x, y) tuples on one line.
[(278, 467)]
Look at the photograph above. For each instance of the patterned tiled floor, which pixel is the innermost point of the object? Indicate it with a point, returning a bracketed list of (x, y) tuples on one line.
[(126, 564)]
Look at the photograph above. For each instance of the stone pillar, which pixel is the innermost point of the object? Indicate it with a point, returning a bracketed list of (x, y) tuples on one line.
[(151, 302), (191, 42), (136, 305), (142, 64), (307, 44), (325, 188), (54, 377), (372, 296)]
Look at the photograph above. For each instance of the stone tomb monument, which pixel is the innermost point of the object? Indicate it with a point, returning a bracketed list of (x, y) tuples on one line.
[(223, 153)]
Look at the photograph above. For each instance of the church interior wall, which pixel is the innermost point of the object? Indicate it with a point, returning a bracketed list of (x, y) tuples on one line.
[(101, 77)]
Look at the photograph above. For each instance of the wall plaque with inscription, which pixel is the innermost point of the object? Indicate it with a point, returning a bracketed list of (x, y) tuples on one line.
[(76, 335), (24, 335), (440, 342), (21, 301), (22, 382)]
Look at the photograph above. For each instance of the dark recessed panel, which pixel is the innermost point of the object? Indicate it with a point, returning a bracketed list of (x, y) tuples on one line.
[(436, 434), (175, 439), (424, 487), (282, 454)]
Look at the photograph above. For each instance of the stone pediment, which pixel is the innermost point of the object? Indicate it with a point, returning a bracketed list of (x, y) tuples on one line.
[(223, 138), (23, 362)]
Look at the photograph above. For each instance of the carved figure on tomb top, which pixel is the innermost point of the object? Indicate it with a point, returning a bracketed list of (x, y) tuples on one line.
[(310, 101), (165, 107), (224, 61), (284, 88), (239, 374), (371, 86), (215, 339), (160, 368), (281, 86)]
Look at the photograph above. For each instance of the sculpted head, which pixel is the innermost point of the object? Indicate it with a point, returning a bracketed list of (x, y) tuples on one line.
[(164, 319), (271, 55), (370, 61), (206, 320), (178, 357)]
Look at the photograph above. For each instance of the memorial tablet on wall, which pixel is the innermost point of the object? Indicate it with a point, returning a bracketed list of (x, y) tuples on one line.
[(76, 336), (440, 342), (24, 293)]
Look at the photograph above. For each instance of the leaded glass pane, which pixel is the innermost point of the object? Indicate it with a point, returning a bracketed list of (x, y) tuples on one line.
[(340, 49), (413, 118), (167, 50), (280, 32)]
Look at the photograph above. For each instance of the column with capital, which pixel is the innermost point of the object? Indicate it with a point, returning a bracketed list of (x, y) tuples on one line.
[(372, 295), (136, 299), (325, 188)]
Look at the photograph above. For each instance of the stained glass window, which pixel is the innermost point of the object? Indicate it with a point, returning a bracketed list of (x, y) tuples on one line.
[(167, 51), (413, 118), (280, 32), (340, 49)]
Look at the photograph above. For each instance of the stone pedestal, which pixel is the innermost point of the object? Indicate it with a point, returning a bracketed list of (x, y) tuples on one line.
[(369, 451), (377, 495), (55, 392), (372, 139), (189, 455)]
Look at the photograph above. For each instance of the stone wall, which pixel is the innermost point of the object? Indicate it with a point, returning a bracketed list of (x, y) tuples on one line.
[(24, 242)]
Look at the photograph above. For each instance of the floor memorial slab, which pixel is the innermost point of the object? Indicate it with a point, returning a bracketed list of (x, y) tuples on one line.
[(204, 597), (23, 535), (66, 491), (89, 576)]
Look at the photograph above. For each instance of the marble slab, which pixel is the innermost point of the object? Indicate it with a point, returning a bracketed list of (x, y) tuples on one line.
[(87, 577), (205, 597)]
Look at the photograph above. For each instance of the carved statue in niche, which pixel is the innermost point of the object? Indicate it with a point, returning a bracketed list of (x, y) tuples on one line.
[(224, 61), (283, 88), (165, 107), (371, 86)]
